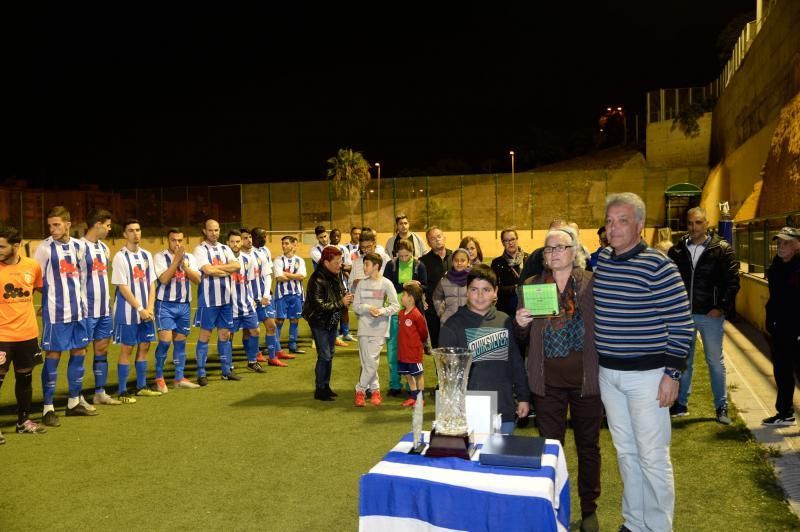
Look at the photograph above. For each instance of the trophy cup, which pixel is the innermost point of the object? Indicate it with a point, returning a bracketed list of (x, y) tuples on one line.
[(450, 436)]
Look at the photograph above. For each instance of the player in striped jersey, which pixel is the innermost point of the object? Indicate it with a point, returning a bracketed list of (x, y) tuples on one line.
[(290, 270), (174, 268), (217, 263), (95, 292), (134, 276), (262, 288), (64, 329), (347, 266), (323, 241), (242, 300), (355, 237)]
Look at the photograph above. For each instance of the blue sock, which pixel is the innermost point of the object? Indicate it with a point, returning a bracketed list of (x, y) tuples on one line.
[(271, 345), (179, 358), (141, 374), (49, 377), (293, 335), (123, 370), (222, 350), (251, 348), (75, 374), (202, 357), (161, 358), (278, 328), (345, 329), (100, 368)]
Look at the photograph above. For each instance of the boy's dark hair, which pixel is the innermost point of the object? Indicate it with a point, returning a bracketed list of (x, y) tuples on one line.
[(367, 236), (482, 272), (176, 230), (259, 235), (415, 291), (374, 258), (318, 230), (11, 234)]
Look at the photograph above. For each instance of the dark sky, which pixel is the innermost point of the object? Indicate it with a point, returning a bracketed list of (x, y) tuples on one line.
[(220, 93)]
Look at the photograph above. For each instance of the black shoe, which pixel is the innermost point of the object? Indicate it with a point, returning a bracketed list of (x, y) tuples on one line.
[(779, 420), (395, 392), (368, 394), (297, 351), (51, 419), (334, 394), (589, 522), (321, 394), (231, 377), (80, 410), (722, 416), (522, 422), (624, 528), (256, 367), (678, 410), (202, 381)]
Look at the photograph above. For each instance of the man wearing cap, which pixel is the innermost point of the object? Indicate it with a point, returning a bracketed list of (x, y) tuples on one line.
[(783, 326), (710, 272)]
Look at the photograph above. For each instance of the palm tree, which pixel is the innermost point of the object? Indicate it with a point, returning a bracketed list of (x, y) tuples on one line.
[(350, 173)]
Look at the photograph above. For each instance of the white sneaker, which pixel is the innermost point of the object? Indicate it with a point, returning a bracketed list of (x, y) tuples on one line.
[(161, 386), (104, 399), (85, 404)]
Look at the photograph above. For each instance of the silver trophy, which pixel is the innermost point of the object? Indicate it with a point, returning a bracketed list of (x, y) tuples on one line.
[(450, 435)]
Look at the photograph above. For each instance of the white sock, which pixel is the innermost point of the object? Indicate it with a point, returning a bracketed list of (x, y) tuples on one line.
[(72, 402), (48, 408)]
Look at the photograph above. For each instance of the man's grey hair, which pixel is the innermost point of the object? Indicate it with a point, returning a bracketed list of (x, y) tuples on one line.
[(577, 248), (697, 210), (628, 198)]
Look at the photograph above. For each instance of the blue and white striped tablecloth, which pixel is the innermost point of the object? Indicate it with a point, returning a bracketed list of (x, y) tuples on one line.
[(410, 493)]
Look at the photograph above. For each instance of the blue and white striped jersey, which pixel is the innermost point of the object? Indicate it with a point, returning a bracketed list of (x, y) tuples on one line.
[(133, 269), (241, 291), (262, 269), (179, 288), (94, 279), (61, 264), (213, 291), (289, 265)]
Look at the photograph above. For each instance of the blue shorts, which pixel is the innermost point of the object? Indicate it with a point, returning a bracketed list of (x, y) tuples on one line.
[(135, 333), (265, 313), (173, 316), (99, 328), (289, 307), (64, 336), (210, 318), (248, 321), (409, 368)]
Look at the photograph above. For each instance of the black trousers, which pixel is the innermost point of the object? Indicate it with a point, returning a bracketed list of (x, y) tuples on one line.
[(785, 366)]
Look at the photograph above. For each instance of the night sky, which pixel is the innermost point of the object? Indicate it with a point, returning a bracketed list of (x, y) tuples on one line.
[(226, 94)]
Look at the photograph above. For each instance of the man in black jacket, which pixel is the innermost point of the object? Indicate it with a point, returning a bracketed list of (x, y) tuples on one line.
[(783, 325), (437, 261), (326, 299), (710, 272)]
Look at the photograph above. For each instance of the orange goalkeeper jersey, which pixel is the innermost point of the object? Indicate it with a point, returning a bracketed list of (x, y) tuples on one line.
[(17, 316)]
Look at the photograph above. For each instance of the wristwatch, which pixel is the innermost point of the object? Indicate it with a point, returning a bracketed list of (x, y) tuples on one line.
[(674, 374)]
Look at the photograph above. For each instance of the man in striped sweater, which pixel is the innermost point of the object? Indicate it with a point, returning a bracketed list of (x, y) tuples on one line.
[(643, 329)]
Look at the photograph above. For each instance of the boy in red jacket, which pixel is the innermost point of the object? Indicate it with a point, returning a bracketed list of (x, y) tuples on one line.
[(412, 334)]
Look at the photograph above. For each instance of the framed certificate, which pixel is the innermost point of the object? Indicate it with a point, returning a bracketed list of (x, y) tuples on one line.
[(541, 299)]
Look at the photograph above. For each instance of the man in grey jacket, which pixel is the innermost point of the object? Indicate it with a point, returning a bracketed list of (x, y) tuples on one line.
[(404, 231)]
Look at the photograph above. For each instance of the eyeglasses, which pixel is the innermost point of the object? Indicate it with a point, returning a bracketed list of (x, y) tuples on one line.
[(509, 240), (560, 248)]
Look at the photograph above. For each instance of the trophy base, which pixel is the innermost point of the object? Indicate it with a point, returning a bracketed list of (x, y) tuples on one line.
[(446, 446)]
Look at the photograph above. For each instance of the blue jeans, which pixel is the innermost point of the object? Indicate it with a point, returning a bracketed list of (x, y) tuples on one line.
[(641, 432), (710, 330), (325, 340)]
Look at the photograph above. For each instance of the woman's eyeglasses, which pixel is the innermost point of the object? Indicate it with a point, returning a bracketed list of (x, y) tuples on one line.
[(560, 248)]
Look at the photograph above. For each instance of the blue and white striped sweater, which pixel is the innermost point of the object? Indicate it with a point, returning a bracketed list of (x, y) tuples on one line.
[(642, 317)]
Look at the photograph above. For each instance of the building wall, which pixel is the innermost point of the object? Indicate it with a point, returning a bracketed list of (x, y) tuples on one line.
[(668, 146)]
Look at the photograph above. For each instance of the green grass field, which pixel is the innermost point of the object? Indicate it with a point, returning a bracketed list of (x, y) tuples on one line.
[(261, 454)]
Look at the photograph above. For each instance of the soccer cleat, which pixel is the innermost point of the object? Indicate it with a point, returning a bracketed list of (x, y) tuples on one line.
[(360, 399), (231, 377), (283, 355), (126, 399), (722, 416), (147, 392), (341, 343), (80, 410), (276, 362), (297, 351), (186, 384), (202, 381), (103, 398), (51, 419), (678, 410), (161, 386), (779, 421), (255, 367), (376, 398), (86, 404), (260, 357), (408, 402), (349, 338), (29, 427)]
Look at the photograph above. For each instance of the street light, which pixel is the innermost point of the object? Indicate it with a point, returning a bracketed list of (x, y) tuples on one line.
[(513, 220), (378, 213)]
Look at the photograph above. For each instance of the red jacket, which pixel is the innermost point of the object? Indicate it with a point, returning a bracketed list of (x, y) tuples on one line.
[(412, 332)]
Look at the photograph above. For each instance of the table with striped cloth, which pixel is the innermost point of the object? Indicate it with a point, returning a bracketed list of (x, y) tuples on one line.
[(409, 493)]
